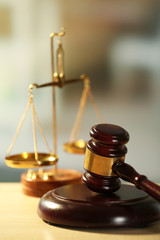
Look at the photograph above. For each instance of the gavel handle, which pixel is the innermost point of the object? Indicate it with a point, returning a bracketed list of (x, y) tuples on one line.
[(128, 173)]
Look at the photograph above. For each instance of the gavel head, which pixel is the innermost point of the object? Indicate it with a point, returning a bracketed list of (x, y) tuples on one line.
[(107, 145)]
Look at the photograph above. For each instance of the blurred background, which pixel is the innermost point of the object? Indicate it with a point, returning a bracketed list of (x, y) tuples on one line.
[(116, 43)]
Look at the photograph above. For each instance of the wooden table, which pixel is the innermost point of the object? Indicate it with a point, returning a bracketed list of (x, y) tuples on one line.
[(19, 220)]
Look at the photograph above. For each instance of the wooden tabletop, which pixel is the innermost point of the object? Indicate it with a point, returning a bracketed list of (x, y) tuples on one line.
[(19, 220)]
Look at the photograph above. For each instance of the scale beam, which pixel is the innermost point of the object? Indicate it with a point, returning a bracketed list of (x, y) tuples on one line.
[(59, 81)]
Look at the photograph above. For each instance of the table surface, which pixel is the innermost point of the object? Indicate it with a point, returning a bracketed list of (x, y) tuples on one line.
[(19, 220)]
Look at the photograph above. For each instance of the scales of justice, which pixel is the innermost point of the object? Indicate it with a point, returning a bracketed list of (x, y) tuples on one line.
[(38, 182), (96, 199)]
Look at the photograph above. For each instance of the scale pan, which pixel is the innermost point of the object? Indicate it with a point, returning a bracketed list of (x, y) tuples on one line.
[(78, 147), (27, 160)]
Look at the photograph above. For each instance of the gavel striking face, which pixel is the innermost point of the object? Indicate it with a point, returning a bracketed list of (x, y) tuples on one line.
[(104, 162)]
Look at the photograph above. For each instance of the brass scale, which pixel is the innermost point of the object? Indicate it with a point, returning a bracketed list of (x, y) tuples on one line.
[(75, 145)]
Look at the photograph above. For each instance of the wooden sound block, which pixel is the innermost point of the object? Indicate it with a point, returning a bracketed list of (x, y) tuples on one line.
[(38, 187), (77, 206)]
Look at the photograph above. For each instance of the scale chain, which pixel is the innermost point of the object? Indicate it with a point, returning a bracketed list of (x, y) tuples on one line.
[(95, 106), (34, 116), (18, 129), (41, 130), (34, 130), (76, 128)]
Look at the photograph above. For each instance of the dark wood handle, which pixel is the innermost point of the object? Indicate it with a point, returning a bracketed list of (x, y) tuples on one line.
[(128, 173)]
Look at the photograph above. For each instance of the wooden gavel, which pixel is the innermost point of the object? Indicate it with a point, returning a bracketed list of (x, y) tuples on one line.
[(104, 162)]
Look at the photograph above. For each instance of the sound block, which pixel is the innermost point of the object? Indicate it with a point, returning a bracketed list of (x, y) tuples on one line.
[(76, 206), (39, 186)]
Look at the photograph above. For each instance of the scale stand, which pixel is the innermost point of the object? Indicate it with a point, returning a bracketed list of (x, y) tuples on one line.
[(38, 182)]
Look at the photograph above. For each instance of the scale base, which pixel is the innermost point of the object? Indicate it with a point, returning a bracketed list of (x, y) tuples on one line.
[(77, 206), (37, 185)]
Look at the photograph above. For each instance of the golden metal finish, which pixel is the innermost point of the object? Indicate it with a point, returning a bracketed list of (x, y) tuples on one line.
[(52, 35), (59, 81), (78, 146), (78, 122), (54, 132), (40, 174), (98, 164), (36, 160), (60, 59), (28, 160)]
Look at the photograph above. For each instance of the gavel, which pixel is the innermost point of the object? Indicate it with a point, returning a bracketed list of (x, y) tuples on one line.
[(102, 202), (104, 162)]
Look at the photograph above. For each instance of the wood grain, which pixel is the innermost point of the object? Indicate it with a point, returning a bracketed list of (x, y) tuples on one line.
[(19, 220)]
